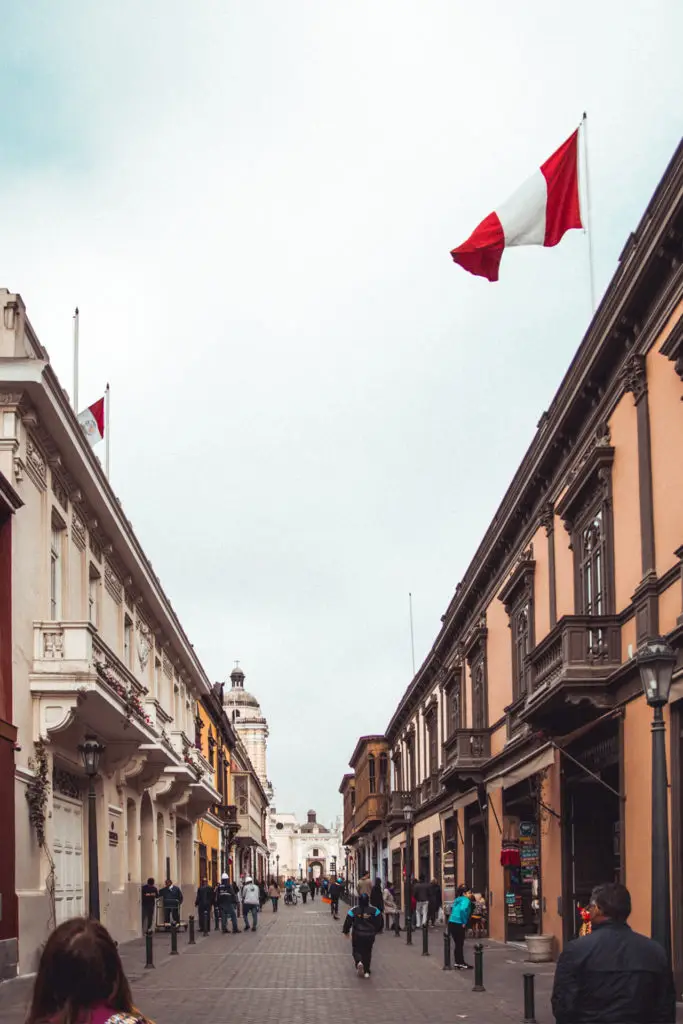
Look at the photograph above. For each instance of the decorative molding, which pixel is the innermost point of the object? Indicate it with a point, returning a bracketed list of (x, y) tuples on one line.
[(95, 548), (547, 517), (36, 465), (112, 582), (590, 483), (634, 376), (8, 398), (167, 666), (53, 644), (60, 492), (78, 531), (144, 643), (66, 784)]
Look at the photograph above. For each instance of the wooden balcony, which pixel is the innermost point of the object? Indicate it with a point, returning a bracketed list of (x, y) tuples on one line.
[(569, 669), (397, 801), (430, 788), (465, 753), (367, 815)]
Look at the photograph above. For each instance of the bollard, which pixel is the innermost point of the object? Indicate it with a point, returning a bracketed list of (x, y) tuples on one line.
[(529, 1007), (149, 950), (174, 939), (478, 968), (190, 926), (446, 951), (425, 940)]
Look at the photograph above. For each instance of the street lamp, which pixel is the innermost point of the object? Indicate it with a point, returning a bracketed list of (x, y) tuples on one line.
[(408, 818), (91, 751), (656, 660), (277, 869)]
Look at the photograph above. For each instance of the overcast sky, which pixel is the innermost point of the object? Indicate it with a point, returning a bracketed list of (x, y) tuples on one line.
[(314, 411)]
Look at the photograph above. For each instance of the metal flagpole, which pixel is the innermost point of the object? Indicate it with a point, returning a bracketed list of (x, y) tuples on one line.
[(588, 226), (75, 394), (107, 411), (412, 635)]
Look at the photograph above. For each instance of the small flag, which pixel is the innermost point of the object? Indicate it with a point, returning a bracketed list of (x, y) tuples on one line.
[(538, 213), (92, 422)]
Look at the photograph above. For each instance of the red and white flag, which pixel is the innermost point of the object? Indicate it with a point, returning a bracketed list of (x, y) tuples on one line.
[(538, 213), (92, 422)]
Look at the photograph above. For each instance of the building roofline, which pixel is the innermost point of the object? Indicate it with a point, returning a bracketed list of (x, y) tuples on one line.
[(363, 742)]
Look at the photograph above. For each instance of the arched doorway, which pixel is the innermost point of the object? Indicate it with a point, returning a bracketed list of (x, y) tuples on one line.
[(315, 868), (147, 837)]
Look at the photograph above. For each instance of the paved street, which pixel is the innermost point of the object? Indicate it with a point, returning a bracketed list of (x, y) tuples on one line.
[(297, 968)]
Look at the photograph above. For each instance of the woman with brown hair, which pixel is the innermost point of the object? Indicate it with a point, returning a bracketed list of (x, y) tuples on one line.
[(80, 979)]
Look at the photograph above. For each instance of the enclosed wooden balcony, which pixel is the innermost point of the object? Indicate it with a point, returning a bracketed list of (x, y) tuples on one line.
[(569, 670), (367, 815), (466, 751)]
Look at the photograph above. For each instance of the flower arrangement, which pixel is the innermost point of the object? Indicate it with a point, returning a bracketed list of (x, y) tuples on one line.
[(132, 702)]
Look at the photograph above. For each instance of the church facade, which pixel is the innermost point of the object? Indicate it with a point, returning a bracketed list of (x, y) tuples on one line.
[(304, 849)]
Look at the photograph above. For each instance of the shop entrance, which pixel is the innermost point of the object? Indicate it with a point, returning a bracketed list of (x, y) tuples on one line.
[(521, 860), (423, 859), (476, 850), (592, 821)]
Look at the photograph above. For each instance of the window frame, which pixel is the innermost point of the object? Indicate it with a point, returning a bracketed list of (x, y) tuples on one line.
[(57, 534)]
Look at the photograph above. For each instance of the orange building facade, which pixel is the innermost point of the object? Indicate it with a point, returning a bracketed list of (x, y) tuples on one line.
[(523, 741), (216, 741)]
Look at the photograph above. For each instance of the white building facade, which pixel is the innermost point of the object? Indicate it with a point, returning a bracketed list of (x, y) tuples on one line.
[(97, 651), (304, 849)]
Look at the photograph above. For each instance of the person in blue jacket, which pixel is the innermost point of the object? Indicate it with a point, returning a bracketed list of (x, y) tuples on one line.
[(457, 926), (363, 922)]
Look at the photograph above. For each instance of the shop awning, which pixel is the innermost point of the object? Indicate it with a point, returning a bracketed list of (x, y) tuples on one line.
[(523, 769)]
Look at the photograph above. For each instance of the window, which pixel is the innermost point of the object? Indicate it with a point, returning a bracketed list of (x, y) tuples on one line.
[(56, 573), (242, 794), (212, 753), (398, 774), (383, 773), (521, 626), (411, 780), (157, 678), (432, 743), (518, 597), (372, 781), (316, 853), (93, 596), (478, 696), (127, 641), (453, 708), (592, 566)]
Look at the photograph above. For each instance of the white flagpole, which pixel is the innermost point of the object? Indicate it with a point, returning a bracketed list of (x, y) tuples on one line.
[(107, 411), (588, 226), (75, 394)]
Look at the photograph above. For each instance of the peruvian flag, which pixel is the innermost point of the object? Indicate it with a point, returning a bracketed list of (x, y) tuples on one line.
[(538, 213), (92, 421)]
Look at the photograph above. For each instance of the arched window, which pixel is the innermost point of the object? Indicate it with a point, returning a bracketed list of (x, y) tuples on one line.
[(371, 773)]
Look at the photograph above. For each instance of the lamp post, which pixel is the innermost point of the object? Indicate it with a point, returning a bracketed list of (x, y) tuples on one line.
[(656, 660), (408, 818), (277, 869), (91, 752)]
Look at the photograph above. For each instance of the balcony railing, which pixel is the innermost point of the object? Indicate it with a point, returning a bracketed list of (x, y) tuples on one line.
[(369, 813), (467, 749), (581, 649)]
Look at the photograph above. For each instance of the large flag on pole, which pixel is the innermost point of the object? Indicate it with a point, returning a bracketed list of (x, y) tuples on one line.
[(539, 213), (92, 422)]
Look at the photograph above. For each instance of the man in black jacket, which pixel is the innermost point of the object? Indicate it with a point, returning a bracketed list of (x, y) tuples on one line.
[(336, 889), (171, 899), (613, 975), (226, 899), (150, 894), (203, 902), (363, 922)]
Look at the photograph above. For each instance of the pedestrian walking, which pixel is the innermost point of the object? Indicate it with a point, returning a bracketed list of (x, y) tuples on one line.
[(304, 890), (80, 978), (325, 886), (171, 900), (377, 896), (365, 885), (262, 895), (391, 910), (457, 926), (362, 922), (312, 888), (274, 893), (150, 895), (226, 901), (216, 908), (250, 904), (204, 902), (336, 889), (421, 894), (435, 901), (613, 975)]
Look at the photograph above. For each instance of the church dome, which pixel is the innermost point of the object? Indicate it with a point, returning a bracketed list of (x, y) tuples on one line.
[(241, 698)]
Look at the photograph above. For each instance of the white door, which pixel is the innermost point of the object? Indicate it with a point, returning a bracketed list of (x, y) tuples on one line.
[(67, 851)]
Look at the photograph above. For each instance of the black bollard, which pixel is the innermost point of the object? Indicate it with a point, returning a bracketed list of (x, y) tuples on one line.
[(529, 1001), (446, 951), (425, 940), (478, 968), (190, 926), (174, 939), (149, 950)]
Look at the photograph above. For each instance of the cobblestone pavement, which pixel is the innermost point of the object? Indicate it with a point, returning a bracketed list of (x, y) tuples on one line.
[(297, 968)]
